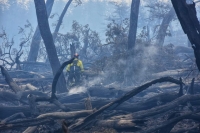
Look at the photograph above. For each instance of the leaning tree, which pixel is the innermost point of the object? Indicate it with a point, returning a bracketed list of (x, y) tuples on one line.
[(187, 15), (35, 43), (48, 41)]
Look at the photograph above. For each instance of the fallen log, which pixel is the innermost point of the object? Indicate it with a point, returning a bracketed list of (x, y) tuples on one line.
[(54, 115), (150, 102), (30, 87), (145, 104), (6, 111), (96, 103), (7, 96), (13, 98), (78, 126), (120, 125), (9, 80), (174, 121), (74, 98), (30, 129), (190, 130), (59, 115), (30, 80), (24, 94), (24, 74), (19, 93), (12, 117), (27, 124), (162, 108)]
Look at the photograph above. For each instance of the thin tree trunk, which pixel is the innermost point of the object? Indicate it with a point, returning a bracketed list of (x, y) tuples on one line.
[(35, 44), (48, 41), (163, 27), (60, 20), (133, 23)]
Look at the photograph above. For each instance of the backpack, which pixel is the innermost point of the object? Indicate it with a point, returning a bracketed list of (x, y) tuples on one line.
[(74, 68)]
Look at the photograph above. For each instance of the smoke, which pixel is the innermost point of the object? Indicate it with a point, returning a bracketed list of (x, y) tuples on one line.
[(24, 3), (78, 89), (86, 84), (145, 59), (131, 68), (4, 4)]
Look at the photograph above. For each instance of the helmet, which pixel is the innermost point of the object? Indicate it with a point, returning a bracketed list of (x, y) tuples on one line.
[(76, 55)]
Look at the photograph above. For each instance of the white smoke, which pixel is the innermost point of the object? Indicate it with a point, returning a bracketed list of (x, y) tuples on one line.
[(78, 89), (4, 4), (86, 84), (24, 3)]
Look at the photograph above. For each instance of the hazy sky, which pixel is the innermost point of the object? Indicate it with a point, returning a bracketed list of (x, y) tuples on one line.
[(92, 13)]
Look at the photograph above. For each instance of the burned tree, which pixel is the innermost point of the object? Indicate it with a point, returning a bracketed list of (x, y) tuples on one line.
[(161, 11), (35, 44), (133, 23), (163, 27), (186, 13), (9, 55), (33, 54), (60, 19), (48, 41)]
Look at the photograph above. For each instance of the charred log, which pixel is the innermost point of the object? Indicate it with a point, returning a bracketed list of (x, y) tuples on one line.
[(26, 124), (172, 122), (12, 117), (59, 115), (81, 124), (163, 108), (9, 80)]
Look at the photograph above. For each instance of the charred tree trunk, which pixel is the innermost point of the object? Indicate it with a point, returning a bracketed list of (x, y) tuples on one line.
[(12, 84), (35, 44), (186, 14), (48, 41), (60, 20), (59, 115), (133, 23), (163, 27)]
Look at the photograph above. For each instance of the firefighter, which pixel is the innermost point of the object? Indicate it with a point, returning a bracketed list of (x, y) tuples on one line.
[(75, 70)]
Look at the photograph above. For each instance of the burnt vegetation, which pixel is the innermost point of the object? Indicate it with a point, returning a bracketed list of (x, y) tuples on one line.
[(134, 79)]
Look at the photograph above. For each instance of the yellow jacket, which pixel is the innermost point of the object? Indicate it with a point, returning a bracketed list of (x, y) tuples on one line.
[(79, 64)]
